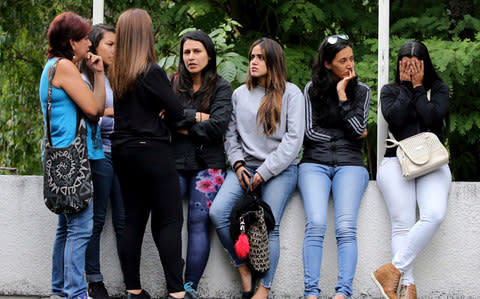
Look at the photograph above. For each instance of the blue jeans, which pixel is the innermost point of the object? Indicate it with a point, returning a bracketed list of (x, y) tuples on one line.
[(202, 186), (106, 187), (68, 261), (348, 184), (276, 192)]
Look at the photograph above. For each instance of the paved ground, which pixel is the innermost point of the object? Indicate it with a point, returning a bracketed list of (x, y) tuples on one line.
[(39, 297)]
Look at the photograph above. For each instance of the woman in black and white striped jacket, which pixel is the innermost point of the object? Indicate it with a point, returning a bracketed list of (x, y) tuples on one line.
[(337, 107)]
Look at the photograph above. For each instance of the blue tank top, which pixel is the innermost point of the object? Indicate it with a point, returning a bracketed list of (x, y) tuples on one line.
[(64, 118)]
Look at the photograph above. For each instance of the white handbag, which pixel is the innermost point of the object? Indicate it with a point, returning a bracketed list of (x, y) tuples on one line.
[(419, 154)]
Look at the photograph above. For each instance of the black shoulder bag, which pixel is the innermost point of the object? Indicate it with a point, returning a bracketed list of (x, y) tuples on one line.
[(67, 179)]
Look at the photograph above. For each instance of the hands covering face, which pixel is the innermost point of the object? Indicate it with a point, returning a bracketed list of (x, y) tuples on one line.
[(411, 69)]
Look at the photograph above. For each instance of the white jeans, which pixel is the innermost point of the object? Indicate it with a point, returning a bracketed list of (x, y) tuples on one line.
[(430, 192)]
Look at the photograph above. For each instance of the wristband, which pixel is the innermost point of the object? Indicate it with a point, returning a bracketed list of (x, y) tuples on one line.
[(238, 164)]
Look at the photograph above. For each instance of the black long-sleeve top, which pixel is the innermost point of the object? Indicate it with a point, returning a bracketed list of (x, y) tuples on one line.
[(137, 114), (203, 147), (408, 111), (335, 142)]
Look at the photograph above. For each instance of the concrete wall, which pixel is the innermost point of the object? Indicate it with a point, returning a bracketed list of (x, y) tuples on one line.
[(448, 268)]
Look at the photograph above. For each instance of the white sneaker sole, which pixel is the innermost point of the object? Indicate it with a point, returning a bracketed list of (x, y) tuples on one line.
[(377, 283)]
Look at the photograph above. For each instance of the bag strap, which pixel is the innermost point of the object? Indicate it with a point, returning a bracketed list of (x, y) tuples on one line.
[(392, 140), (254, 192), (51, 75), (250, 180)]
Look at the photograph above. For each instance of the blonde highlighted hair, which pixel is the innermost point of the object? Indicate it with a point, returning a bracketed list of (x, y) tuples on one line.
[(269, 112), (134, 50)]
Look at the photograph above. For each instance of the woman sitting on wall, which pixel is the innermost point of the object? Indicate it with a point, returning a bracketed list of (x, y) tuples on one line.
[(264, 138)]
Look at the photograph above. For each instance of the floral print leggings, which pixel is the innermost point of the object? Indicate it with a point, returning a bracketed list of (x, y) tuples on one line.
[(202, 187)]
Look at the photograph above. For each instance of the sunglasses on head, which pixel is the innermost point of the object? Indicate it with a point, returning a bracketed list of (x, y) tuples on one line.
[(334, 38)]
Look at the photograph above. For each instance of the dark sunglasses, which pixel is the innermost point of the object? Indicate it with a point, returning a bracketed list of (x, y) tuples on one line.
[(334, 38)]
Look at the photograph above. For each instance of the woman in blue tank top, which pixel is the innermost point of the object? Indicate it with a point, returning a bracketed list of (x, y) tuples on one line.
[(68, 41)]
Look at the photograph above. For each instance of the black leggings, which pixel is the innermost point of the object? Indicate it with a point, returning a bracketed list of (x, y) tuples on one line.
[(149, 184)]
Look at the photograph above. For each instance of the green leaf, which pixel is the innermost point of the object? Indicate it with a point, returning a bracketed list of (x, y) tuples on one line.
[(186, 30), (169, 62), (162, 61), (227, 70)]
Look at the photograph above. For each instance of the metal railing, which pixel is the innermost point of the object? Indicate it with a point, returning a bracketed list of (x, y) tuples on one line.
[(12, 170)]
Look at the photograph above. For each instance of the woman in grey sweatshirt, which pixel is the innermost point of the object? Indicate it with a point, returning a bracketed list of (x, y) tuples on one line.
[(263, 139)]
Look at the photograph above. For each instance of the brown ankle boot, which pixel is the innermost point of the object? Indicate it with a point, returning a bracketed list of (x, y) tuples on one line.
[(408, 292), (387, 278)]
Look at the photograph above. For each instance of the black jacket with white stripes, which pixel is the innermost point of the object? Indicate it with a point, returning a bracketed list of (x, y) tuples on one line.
[(335, 142)]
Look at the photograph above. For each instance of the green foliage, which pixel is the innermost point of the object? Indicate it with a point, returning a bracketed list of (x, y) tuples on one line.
[(431, 22), (301, 17), (298, 62), (22, 55), (299, 26), (468, 23)]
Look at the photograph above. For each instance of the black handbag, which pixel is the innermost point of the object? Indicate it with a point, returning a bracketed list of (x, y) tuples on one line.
[(67, 179), (253, 216)]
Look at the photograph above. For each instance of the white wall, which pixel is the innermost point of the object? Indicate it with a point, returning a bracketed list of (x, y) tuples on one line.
[(448, 268)]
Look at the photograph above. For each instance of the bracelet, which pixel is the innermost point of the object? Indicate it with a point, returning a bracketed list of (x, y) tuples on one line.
[(200, 116), (238, 164)]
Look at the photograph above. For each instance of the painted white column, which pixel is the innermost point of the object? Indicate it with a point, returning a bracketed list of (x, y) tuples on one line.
[(383, 60), (97, 12)]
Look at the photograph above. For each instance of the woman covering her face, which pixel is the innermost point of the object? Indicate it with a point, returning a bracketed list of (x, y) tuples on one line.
[(263, 139), (337, 106), (416, 102), (198, 143)]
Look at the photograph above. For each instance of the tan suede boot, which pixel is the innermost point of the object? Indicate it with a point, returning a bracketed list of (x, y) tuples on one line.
[(408, 292), (387, 278)]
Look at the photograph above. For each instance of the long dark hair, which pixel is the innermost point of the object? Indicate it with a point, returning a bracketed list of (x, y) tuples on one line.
[(268, 115), (183, 82), (95, 36), (323, 82), (417, 49)]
